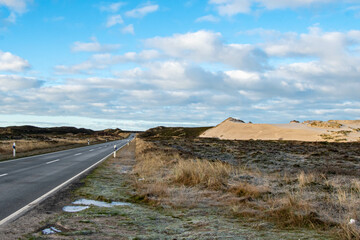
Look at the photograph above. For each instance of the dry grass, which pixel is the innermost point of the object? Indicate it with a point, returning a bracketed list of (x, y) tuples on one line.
[(305, 179), (327, 136), (243, 189), (300, 199), (23, 146), (165, 177), (355, 185), (151, 190), (349, 232), (292, 211), (342, 196), (286, 178), (213, 175), (150, 160), (321, 124)]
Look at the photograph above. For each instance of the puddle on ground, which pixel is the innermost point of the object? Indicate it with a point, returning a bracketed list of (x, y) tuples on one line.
[(87, 203), (74, 208), (120, 204), (50, 230)]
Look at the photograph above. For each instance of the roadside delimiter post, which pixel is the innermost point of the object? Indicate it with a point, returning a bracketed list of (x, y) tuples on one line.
[(115, 150), (14, 150)]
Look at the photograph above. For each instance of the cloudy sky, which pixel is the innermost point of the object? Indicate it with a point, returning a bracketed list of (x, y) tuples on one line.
[(140, 64)]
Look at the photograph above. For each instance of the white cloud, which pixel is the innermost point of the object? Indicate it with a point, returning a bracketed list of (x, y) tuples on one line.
[(83, 67), (104, 60), (94, 46), (233, 7), (354, 35), (311, 73), (14, 82), (207, 18), (197, 47), (112, 7), (159, 75), (114, 20), (18, 6), (320, 78), (275, 4), (12, 63), (129, 29), (242, 78), (142, 11), (334, 48), (205, 46), (11, 18), (174, 75)]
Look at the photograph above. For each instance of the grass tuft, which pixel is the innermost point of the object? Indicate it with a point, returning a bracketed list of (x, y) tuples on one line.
[(349, 232), (242, 189), (213, 175), (305, 179)]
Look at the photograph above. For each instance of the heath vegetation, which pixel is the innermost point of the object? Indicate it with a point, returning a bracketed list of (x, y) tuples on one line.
[(291, 184)]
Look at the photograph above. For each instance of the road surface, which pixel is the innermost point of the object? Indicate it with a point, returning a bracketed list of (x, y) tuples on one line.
[(24, 180)]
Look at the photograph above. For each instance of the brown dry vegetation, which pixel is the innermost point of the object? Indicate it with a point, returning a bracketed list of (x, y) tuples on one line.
[(29, 145), (291, 184), (322, 124), (30, 142)]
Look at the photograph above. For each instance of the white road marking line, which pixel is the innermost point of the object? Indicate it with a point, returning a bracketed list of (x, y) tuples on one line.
[(53, 161), (77, 154), (91, 150), (3, 175)]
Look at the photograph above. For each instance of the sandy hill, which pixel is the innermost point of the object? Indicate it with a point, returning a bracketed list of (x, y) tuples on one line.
[(333, 130)]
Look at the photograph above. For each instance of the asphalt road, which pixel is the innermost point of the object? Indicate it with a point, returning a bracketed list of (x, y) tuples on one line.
[(24, 180)]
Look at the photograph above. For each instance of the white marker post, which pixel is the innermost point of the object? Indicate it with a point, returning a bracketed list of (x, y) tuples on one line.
[(115, 151), (14, 150), (88, 142)]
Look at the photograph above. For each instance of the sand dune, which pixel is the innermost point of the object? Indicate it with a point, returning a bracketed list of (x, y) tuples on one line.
[(339, 131)]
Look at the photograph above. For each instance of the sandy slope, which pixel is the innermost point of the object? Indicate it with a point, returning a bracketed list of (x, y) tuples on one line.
[(232, 129)]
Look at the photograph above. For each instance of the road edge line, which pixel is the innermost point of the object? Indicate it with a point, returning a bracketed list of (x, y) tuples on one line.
[(54, 190)]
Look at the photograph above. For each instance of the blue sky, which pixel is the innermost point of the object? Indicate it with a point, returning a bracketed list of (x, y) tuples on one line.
[(140, 64)]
